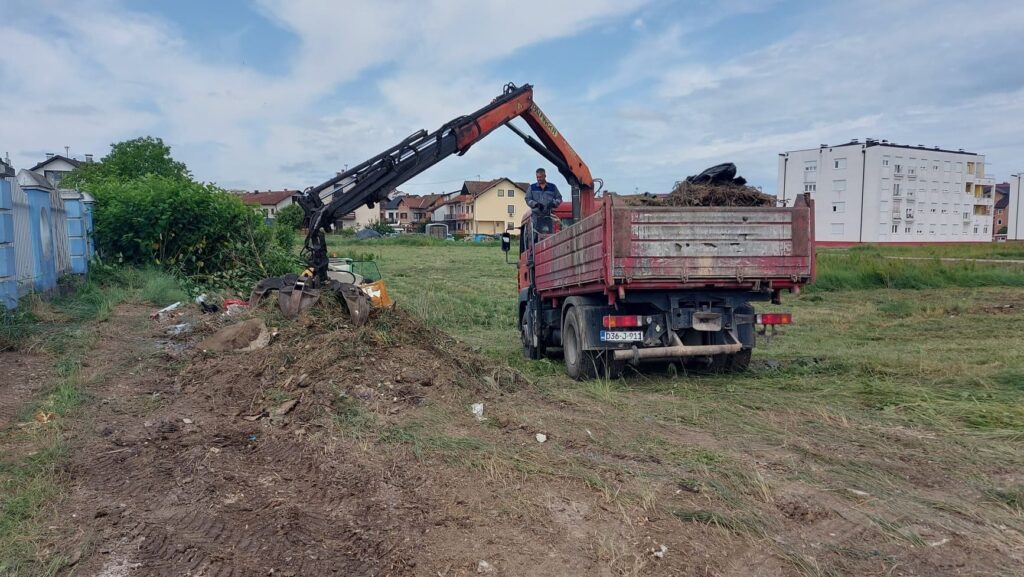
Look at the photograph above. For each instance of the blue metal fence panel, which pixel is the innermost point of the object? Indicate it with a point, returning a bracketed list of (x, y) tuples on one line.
[(8, 267)]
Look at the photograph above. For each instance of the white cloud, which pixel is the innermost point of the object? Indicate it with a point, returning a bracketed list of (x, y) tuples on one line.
[(98, 71), (932, 73)]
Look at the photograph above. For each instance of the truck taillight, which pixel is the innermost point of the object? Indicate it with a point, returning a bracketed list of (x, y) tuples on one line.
[(774, 318), (619, 321)]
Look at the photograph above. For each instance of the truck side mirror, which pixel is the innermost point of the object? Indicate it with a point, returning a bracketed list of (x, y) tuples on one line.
[(506, 241)]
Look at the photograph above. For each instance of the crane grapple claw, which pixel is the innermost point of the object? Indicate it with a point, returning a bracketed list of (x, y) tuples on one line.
[(357, 302)]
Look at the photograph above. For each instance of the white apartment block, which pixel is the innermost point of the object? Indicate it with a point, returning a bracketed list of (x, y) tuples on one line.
[(1015, 228), (882, 192)]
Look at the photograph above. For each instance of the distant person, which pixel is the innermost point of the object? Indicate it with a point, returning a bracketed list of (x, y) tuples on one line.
[(543, 196)]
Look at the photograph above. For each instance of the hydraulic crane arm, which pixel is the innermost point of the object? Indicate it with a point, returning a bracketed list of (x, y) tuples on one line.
[(371, 181)]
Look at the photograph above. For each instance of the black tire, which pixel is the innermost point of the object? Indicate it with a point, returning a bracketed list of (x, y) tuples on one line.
[(579, 364), (738, 362), (525, 334), (731, 363)]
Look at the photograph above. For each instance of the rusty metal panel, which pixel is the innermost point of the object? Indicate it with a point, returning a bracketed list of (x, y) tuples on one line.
[(689, 243), (573, 256)]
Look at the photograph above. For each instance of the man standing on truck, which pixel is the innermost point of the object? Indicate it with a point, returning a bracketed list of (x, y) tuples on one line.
[(543, 196)]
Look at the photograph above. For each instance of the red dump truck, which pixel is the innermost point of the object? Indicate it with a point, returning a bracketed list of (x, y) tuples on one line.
[(625, 284)]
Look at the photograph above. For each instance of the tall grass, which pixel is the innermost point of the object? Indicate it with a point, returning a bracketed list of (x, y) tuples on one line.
[(867, 269)]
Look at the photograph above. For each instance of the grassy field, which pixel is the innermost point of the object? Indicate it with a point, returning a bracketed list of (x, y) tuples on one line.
[(880, 348)]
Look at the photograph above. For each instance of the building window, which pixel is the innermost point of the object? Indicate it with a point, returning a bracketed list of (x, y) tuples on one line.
[(511, 209), (501, 192), (840, 163), (885, 161), (403, 216), (837, 228), (907, 230), (975, 230), (810, 187), (511, 192), (811, 166), (510, 225), (838, 185), (896, 188), (895, 228), (838, 207), (897, 169)]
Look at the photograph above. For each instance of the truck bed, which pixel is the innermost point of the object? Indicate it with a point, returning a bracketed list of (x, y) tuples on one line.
[(638, 247)]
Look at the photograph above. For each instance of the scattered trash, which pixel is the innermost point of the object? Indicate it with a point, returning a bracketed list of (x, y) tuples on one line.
[(859, 493), (201, 299), (252, 438), (284, 408), (478, 412), (45, 417), (250, 335), (235, 306), (541, 437), (162, 313), (215, 450), (939, 543), (484, 567), (187, 421), (660, 552), (179, 328)]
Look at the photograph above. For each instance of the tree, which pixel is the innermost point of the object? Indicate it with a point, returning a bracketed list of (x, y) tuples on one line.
[(381, 227), (129, 160), (290, 217)]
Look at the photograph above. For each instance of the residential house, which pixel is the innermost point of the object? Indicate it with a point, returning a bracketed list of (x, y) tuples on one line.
[(1001, 214), (486, 207), (56, 166), (391, 210), (409, 213), (421, 209), (268, 202)]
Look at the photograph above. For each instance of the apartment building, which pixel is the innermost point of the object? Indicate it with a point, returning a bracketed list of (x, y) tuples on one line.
[(1015, 208), (883, 192)]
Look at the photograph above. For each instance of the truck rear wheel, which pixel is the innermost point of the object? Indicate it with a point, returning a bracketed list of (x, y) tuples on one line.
[(579, 364), (731, 363)]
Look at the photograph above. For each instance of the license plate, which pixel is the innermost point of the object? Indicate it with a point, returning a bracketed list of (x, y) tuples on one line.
[(621, 336)]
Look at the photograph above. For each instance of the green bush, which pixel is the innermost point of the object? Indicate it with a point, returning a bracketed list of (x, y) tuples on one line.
[(194, 230), (290, 217), (381, 227)]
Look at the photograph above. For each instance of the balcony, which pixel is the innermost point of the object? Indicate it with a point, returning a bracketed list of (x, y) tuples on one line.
[(463, 216)]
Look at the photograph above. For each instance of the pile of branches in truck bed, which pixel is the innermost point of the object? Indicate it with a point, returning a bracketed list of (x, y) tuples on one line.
[(716, 186)]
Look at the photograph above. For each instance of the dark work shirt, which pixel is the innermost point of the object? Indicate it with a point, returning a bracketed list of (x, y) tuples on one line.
[(543, 200)]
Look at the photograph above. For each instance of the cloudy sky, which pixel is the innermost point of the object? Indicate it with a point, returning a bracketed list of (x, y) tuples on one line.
[(283, 93)]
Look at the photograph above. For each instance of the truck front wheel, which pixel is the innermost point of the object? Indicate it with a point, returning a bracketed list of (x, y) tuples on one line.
[(579, 364), (527, 330)]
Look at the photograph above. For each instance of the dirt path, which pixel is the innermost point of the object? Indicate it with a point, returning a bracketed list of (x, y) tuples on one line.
[(22, 376), (359, 456)]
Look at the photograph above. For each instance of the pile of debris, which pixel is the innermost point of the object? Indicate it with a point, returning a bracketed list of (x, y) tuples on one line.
[(716, 186)]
